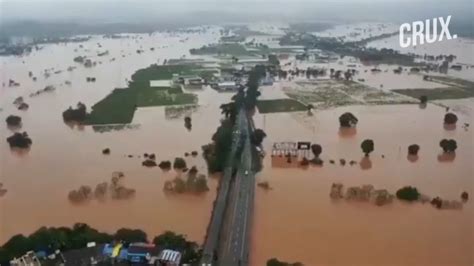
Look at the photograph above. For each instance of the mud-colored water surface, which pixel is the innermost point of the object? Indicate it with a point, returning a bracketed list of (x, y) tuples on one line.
[(297, 221), (63, 158)]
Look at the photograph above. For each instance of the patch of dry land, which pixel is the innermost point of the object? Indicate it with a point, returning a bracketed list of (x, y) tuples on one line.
[(330, 93)]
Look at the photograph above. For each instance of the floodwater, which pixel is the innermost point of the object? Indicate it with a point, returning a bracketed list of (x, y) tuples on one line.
[(63, 158), (297, 221), (357, 31)]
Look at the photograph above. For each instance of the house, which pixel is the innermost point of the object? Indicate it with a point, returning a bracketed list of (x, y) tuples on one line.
[(141, 252), (267, 81), (29, 259), (169, 257)]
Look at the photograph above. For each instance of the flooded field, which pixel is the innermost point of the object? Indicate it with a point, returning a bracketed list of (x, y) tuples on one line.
[(358, 31), (63, 158), (461, 47), (297, 221)]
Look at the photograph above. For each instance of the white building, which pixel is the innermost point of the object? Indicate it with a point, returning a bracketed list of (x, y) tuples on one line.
[(169, 257)]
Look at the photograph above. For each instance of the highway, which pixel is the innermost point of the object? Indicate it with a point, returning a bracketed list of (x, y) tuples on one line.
[(228, 238), (235, 234)]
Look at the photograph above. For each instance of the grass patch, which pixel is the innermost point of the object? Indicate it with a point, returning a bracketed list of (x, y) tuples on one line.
[(280, 105), (437, 93), (157, 97), (116, 108), (119, 106)]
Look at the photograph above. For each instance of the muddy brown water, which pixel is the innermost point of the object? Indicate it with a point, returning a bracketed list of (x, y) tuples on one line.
[(297, 221)]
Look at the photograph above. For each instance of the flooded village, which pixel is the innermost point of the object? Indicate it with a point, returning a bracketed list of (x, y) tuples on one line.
[(113, 131)]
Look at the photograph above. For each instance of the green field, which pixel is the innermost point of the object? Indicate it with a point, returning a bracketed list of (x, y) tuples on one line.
[(119, 106), (280, 105), (233, 49)]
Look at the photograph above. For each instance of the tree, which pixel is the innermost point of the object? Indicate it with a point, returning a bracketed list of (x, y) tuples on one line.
[(258, 136), (413, 149), (187, 123), (273, 60), (76, 115), (179, 185), (13, 121), (423, 99), (450, 119), (200, 184), (448, 146), (276, 262), (408, 193), (348, 120), (19, 140), (131, 235), (367, 146), (229, 110), (179, 163), (317, 150), (348, 75), (170, 240)]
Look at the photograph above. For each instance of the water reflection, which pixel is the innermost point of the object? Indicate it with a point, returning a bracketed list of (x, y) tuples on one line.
[(14, 128), (449, 127), (446, 157), (110, 128), (412, 158), (347, 132), (74, 125), (20, 152), (365, 163)]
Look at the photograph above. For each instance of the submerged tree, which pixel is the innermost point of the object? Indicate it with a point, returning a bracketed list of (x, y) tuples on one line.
[(413, 149), (276, 262), (423, 99), (75, 115), (367, 146), (348, 120), (408, 193), (450, 119), (258, 136), (13, 121), (179, 163), (448, 146), (19, 140), (317, 150)]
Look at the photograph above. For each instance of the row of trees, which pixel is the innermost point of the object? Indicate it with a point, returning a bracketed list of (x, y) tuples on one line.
[(368, 146), (64, 238), (216, 152)]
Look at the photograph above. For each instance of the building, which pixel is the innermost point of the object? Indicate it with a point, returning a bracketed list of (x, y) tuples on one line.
[(187, 80), (169, 257), (29, 259), (141, 252), (227, 86), (160, 83), (267, 81)]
